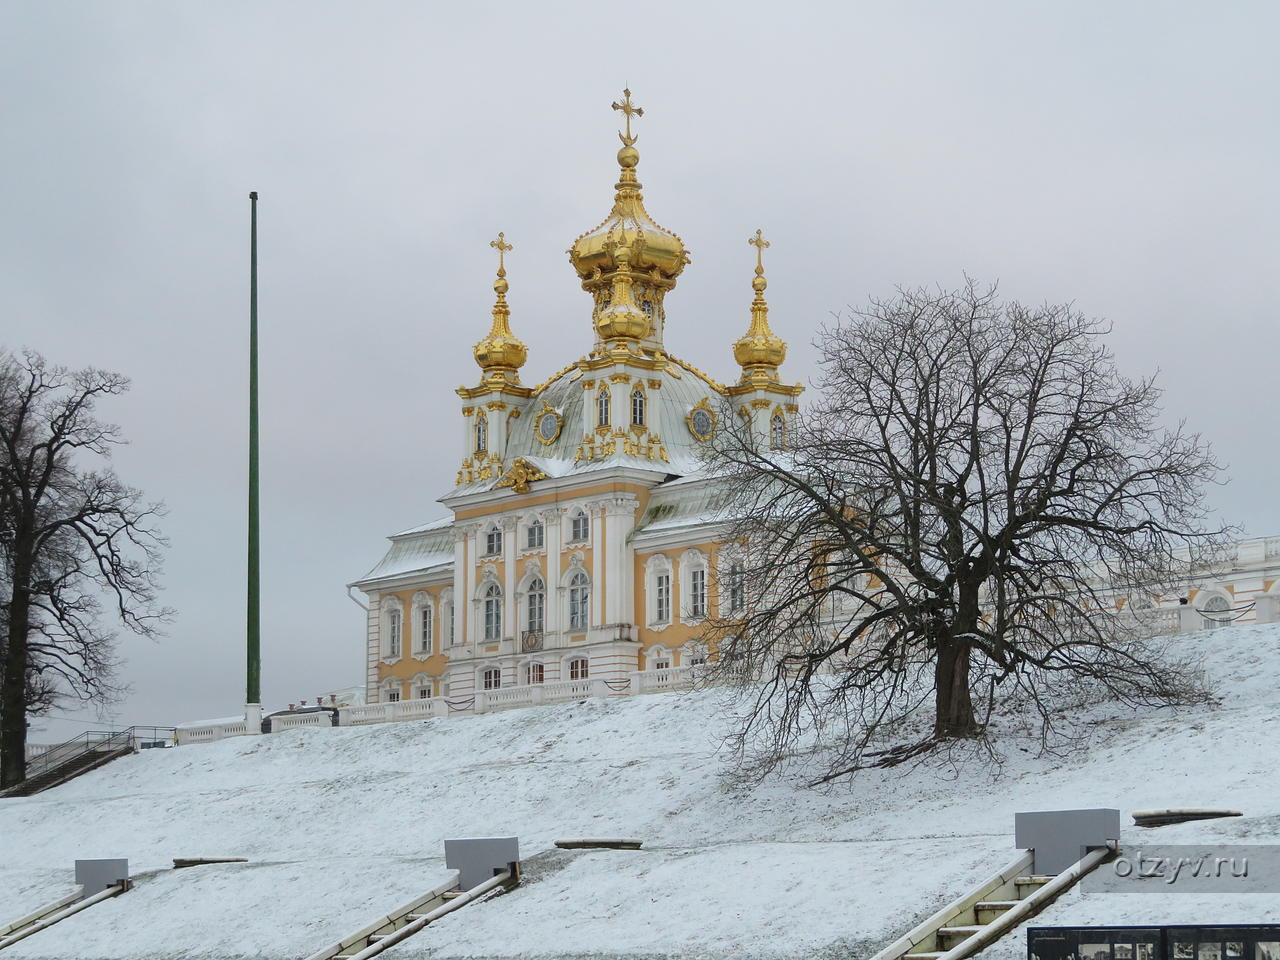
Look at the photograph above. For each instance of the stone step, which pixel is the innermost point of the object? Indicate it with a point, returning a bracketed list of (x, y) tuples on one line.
[(960, 932), (930, 955), (987, 910), (1037, 880)]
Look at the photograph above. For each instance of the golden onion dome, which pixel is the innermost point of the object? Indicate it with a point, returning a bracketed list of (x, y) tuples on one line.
[(654, 256), (501, 353), (760, 350)]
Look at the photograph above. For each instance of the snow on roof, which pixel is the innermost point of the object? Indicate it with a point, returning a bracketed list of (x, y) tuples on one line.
[(419, 550)]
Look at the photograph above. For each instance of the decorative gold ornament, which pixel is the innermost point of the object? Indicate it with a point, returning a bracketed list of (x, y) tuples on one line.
[(548, 425), (521, 474), (702, 420), (500, 354), (760, 351), (631, 245)]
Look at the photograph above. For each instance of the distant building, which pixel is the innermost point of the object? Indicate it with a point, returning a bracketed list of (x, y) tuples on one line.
[(582, 546)]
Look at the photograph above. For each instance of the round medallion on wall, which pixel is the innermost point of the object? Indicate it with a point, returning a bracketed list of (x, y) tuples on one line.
[(701, 421), (548, 427)]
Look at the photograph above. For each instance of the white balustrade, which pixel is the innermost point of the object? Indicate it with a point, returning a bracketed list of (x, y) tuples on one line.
[(658, 681), (209, 732), (289, 721)]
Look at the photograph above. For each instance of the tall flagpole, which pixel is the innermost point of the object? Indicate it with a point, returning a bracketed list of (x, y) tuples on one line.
[(254, 666)]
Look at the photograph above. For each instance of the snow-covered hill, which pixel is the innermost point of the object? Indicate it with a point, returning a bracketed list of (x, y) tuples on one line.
[(341, 824)]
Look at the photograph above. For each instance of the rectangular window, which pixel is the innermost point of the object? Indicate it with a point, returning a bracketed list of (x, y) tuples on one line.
[(393, 639), (426, 628), (537, 609), (424, 693), (663, 606), (492, 679), (737, 588), (493, 542), (492, 618), (579, 528), (393, 696), (698, 593), (533, 673), (535, 536), (662, 665), (578, 669)]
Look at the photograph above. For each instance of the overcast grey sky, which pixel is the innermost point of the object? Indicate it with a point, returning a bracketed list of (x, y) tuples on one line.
[(1121, 155)]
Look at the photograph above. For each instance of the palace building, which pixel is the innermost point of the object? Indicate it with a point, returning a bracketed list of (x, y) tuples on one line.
[(581, 553)]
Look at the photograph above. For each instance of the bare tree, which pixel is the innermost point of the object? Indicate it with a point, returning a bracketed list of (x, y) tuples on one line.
[(73, 540), (949, 528)]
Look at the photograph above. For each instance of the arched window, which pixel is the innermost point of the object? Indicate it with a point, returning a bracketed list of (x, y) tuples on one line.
[(426, 625), (534, 673), (579, 600), (536, 604), (602, 407), (1215, 613), (493, 612), (493, 542), (491, 679), (535, 535), (482, 432), (579, 527), (637, 407), (579, 669), (777, 432)]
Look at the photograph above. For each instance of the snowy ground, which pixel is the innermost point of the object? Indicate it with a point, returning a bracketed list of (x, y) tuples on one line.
[(342, 825)]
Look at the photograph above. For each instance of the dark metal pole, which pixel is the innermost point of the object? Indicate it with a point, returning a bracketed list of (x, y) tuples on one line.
[(254, 671)]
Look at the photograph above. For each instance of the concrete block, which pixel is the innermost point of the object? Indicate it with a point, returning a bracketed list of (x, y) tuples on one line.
[(94, 876), (478, 859), (1061, 837)]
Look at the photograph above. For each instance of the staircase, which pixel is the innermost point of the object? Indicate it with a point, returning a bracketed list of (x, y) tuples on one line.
[(413, 917), (982, 916), (86, 752), (52, 913)]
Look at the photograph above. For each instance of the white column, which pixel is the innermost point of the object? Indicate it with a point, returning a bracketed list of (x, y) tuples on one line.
[(553, 532), (468, 597), (595, 515), (459, 585), (510, 627), (619, 566)]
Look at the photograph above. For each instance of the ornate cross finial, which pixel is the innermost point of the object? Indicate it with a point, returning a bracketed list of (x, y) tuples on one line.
[(629, 111), (502, 247), (759, 242)]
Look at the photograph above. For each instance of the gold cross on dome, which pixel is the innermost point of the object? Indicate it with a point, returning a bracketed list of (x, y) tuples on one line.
[(629, 111), (759, 242), (502, 247)]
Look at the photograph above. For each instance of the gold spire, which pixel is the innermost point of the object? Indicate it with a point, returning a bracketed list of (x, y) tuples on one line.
[(632, 247), (760, 351), (500, 354)]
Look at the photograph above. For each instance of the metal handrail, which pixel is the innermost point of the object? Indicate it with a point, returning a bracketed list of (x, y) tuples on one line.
[(94, 741)]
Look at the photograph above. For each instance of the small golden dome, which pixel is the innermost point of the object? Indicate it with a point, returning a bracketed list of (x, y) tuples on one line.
[(622, 319), (500, 353), (760, 350)]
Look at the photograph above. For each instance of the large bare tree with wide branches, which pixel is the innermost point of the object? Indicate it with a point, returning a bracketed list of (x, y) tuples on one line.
[(77, 545), (954, 523)]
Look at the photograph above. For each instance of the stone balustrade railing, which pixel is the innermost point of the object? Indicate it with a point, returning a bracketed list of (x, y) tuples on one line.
[(208, 732)]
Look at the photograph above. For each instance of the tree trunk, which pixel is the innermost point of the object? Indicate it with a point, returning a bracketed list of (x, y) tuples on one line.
[(13, 690), (953, 715)]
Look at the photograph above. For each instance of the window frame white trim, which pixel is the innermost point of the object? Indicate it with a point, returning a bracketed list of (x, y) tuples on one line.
[(391, 616), (659, 564), (423, 646), (690, 561)]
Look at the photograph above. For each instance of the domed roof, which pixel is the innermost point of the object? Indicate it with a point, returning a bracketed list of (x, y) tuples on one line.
[(501, 353), (628, 245)]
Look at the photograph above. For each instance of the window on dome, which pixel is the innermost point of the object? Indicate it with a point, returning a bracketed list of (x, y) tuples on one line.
[(777, 432), (579, 599), (482, 433), (493, 612), (602, 407), (535, 535), (637, 408)]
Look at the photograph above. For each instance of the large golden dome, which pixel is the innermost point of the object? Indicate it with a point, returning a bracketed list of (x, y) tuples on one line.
[(628, 245)]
